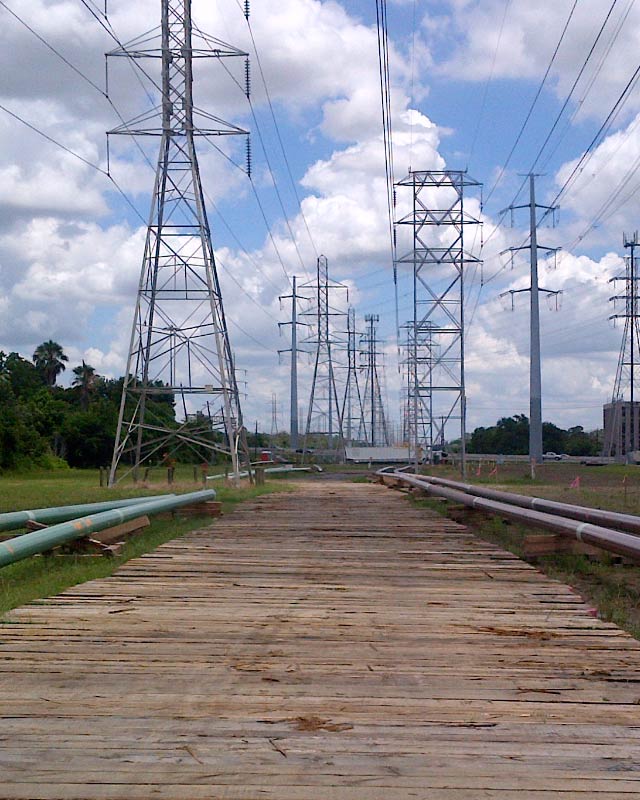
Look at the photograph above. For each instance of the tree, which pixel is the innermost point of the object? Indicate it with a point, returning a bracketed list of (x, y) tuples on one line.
[(510, 436), (25, 379), (49, 358), (86, 380)]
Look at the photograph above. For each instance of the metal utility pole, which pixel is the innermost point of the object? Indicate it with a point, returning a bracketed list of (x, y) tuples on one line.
[(436, 220), (535, 377), (352, 393), (622, 420), (179, 345), (378, 433), (324, 415), (295, 298)]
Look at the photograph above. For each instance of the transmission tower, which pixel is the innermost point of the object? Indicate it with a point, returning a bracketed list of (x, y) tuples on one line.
[(535, 377), (179, 342), (418, 396), (436, 220), (378, 435), (324, 414), (622, 418), (295, 299), (274, 419), (352, 394)]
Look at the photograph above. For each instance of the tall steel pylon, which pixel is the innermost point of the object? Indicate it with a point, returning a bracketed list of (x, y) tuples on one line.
[(377, 434), (436, 220), (324, 414), (352, 406), (294, 350), (418, 395), (622, 428), (535, 372), (179, 341)]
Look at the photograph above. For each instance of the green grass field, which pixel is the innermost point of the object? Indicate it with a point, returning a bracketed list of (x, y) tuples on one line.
[(43, 576)]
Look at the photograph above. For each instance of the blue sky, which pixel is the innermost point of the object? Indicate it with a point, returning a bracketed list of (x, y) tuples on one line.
[(68, 243)]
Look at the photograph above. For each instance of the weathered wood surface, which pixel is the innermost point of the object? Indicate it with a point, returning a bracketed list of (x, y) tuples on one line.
[(334, 644)]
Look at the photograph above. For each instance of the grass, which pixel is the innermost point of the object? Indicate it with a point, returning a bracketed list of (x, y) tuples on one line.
[(612, 588), (42, 576)]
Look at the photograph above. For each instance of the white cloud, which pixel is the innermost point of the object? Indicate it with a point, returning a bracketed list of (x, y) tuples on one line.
[(524, 53)]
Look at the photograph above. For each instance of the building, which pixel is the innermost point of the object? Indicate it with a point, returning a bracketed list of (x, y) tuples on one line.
[(621, 428)]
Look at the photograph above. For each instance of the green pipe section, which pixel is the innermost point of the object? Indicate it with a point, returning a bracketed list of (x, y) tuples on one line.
[(48, 516), (29, 544)]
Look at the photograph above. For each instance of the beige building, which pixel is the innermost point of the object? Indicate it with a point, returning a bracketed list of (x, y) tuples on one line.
[(621, 428)]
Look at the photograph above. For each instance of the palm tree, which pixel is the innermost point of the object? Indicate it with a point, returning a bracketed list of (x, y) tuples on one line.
[(86, 379), (49, 357)]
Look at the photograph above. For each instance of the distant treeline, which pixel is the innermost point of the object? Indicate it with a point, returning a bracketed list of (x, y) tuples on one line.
[(45, 425), (510, 436)]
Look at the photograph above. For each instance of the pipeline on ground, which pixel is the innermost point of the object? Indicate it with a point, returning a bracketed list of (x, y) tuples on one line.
[(623, 522), (267, 471), (48, 516), (609, 539), (29, 544)]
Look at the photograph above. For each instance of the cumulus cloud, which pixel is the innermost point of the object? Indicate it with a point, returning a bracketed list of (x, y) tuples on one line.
[(70, 250), (525, 54)]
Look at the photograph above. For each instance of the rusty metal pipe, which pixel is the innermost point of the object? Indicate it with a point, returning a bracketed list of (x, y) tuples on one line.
[(623, 522), (623, 544)]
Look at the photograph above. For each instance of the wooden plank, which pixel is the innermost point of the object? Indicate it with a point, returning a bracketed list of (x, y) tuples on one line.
[(119, 532), (332, 643)]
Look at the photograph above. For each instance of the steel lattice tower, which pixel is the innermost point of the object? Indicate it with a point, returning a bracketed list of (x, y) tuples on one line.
[(179, 341), (377, 435), (622, 417), (435, 342), (324, 415), (352, 393), (418, 397), (294, 350)]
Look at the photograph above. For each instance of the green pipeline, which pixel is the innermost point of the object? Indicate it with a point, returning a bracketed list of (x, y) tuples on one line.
[(29, 544), (49, 516)]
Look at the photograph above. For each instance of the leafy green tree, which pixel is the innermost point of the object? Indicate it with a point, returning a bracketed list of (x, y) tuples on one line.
[(20, 443), (581, 443), (49, 358), (88, 435), (22, 375), (554, 439), (510, 436)]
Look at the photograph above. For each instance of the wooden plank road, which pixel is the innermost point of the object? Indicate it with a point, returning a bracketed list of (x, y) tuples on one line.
[(333, 643)]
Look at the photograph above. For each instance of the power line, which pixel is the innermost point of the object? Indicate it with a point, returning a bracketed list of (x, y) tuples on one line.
[(533, 104), (106, 25), (275, 186), (52, 48), (113, 181), (573, 87), (53, 141), (483, 104), (279, 136), (614, 35), (586, 156), (387, 135), (588, 152)]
